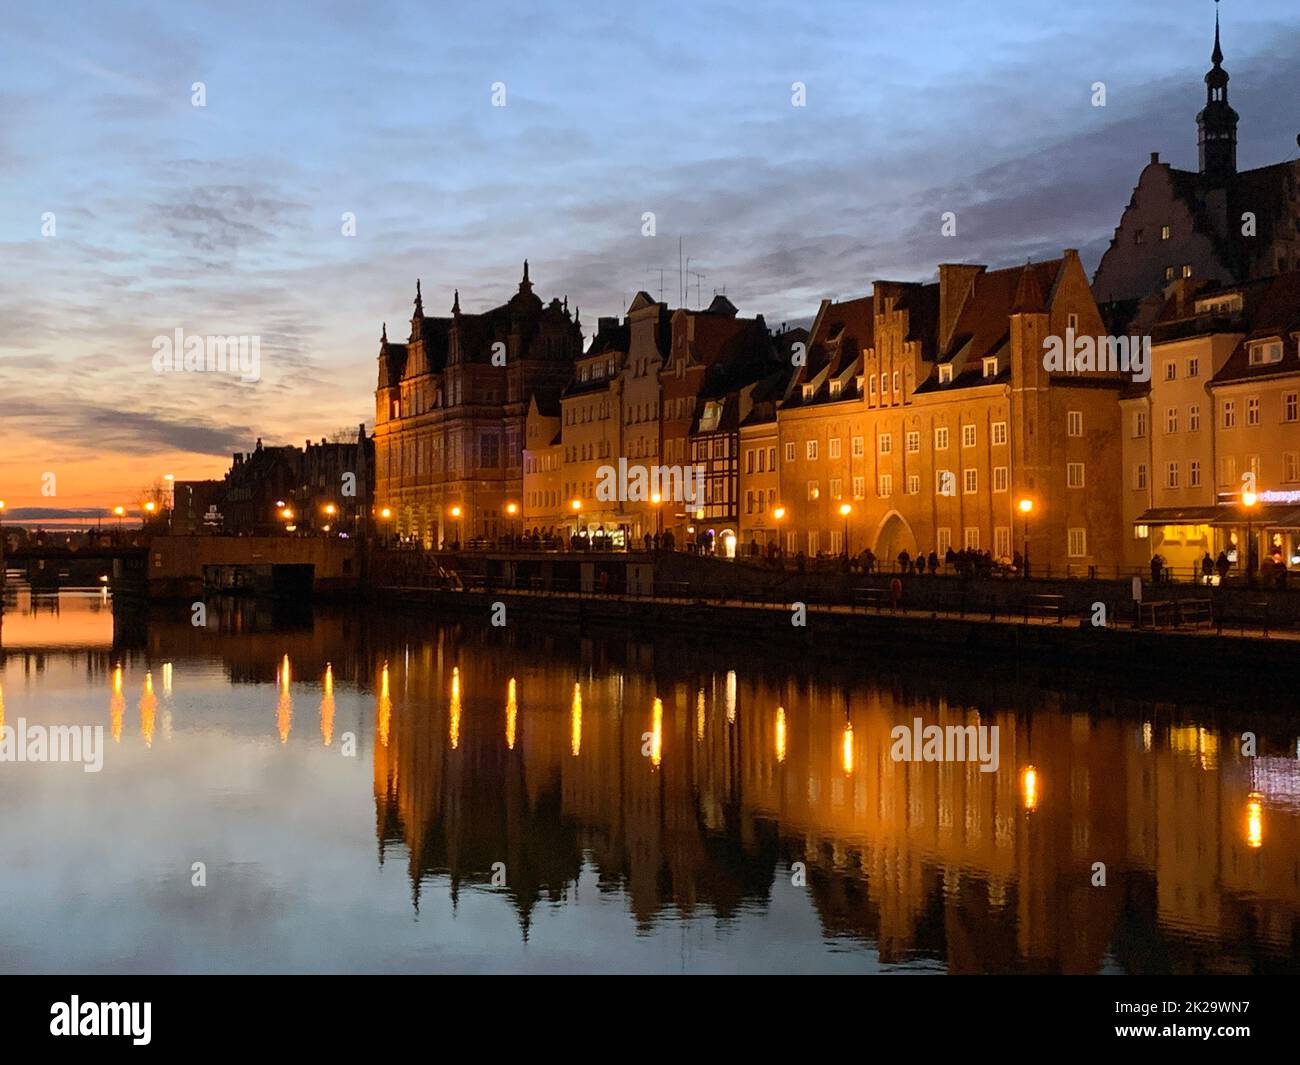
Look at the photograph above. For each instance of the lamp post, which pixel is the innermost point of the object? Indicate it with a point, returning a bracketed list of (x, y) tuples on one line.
[(1026, 506), (512, 510), (456, 513), (657, 500), (778, 514), (1249, 500), (385, 514), (845, 510)]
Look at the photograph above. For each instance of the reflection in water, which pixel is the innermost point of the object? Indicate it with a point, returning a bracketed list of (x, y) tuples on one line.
[(654, 808), (284, 704), (116, 705), (512, 714), (327, 706), (148, 705)]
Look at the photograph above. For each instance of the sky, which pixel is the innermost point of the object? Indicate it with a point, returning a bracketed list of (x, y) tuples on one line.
[(127, 212)]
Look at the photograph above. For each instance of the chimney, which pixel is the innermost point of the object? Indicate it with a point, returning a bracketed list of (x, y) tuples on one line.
[(1155, 157)]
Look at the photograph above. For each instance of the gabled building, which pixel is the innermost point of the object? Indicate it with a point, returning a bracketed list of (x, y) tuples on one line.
[(1215, 223), (926, 413), (450, 411), (1219, 425)]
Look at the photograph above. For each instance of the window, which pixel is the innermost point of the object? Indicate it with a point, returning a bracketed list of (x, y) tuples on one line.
[(1194, 474), (1171, 420), (1078, 545), (1000, 478), (859, 448), (1187, 269), (1194, 418), (971, 538), (1193, 367), (945, 374), (1138, 236), (946, 483), (836, 488), (944, 537), (1074, 475), (1072, 322), (789, 452), (941, 440), (859, 487), (897, 382), (811, 450), (999, 433), (1141, 532), (836, 387), (1290, 466), (792, 542), (970, 481), (871, 386), (1291, 407), (749, 460), (1164, 232), (1139, 424), (813, 491), (837, 541), (991, 367), (1228, 470), (1171, 475), (914, 441), (1169, 273), (1074, 423), (886, 443), (913, 484), (835, 447), (1171, 370), (1252, 410), (968, 436), (1263, 352), (812, 542), (808, 391), (1229, 414), (886, 485), (771, 456), (1002, 542)]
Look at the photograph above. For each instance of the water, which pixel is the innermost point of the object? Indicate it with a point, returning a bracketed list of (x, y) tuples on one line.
[(351, 779)]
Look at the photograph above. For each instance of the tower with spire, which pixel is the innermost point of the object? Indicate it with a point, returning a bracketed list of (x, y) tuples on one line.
[(1217, 122)]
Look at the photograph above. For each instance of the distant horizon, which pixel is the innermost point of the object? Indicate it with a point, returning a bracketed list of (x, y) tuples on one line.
[(232, 217)]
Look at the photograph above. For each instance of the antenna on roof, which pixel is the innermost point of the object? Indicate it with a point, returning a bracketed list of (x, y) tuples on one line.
[(660, 271), (698, 277)]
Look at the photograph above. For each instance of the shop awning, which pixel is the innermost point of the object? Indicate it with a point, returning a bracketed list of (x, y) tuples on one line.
[(1264, 516), (1180, 516)]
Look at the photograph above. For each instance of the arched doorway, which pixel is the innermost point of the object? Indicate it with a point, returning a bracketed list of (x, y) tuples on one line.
[(893, 536)]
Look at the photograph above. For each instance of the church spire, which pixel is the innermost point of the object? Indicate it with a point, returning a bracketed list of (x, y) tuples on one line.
[(383, 336), (455, 303), (1217, 123), (525, 285)]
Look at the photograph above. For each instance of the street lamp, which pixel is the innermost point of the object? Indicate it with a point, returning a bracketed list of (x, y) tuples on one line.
[(657, 500), (1249, 500), (845, 510), (512, 510), (1026, 507)]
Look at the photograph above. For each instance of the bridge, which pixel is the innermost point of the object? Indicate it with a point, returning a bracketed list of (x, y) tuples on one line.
[(188, 567)]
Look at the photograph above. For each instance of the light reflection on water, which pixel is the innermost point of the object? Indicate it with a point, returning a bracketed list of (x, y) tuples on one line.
[(353, 781)]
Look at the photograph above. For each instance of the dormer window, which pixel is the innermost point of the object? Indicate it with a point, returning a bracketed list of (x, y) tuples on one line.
[(1265, 352), (945, 374), (836, 387), (991, 367), (808, 391)]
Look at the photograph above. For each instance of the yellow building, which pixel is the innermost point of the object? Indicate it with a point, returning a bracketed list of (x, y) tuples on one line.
[(1212, 446), (925, 414)]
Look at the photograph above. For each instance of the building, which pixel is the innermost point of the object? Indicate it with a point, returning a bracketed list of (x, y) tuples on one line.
[(759, 485), (591, 434), (450, 412), (1218, 426), (924, 415), (544, 503), (324, 487), (1216, 222)]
